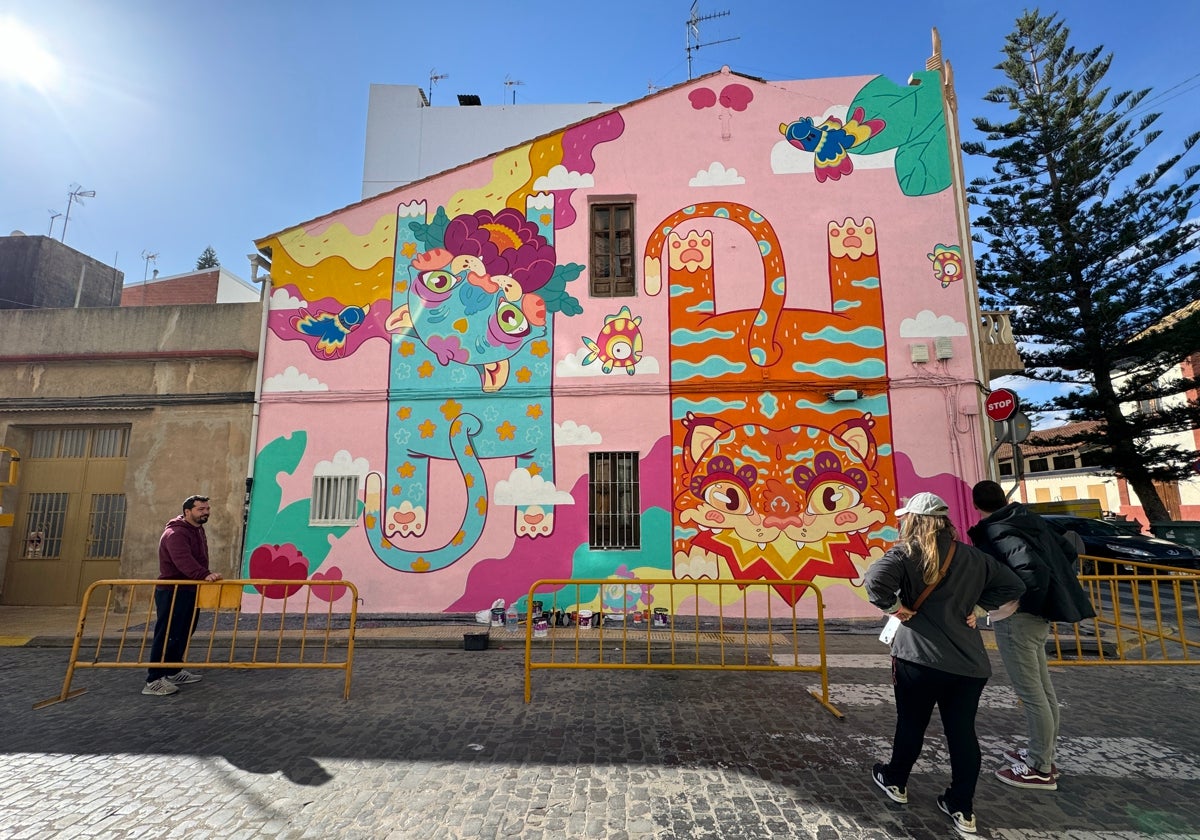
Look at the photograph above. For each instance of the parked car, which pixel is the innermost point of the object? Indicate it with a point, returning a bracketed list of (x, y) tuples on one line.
[(1103, 539)]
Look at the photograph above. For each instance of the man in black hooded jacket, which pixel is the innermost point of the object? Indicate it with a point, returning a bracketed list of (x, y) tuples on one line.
[(1046, 562)]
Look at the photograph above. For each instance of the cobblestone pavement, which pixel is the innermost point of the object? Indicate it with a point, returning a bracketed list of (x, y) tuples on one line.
[(439, 744)]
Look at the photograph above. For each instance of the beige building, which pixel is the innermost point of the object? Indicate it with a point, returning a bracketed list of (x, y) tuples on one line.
[(118, 414)]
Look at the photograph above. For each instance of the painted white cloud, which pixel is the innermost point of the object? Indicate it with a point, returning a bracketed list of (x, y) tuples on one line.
[(929, 325), (787, 159), (569, 433), (572, 365), (293, 380), (343, 463), (716, 176), (560, 178), (521, 488), (283, 299)]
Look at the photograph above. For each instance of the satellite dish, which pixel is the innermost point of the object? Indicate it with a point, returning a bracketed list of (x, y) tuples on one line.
[(17, 233)]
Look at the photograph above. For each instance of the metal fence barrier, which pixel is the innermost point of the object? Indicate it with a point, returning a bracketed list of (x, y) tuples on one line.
[(300, 631), (1146, 614), (561, 633)]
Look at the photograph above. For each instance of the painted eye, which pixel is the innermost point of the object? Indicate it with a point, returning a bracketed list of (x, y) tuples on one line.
[(727, 497), (511, 319), (833, 497), (950, 268), (439, 281), (620, 349)]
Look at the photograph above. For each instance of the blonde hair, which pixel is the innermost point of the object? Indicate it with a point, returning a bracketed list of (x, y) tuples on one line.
[(918, 534)]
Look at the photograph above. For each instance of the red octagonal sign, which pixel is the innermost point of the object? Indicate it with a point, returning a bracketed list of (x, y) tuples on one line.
[(1000, 404)]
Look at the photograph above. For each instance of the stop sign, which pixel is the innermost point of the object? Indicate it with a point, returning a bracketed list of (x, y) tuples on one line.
[(1000, 404)]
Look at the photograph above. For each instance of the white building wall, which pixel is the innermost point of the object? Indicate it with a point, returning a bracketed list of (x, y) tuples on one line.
[(408, 140)]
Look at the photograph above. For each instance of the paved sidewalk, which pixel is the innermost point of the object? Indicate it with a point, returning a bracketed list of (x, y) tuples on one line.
[(437, 743)]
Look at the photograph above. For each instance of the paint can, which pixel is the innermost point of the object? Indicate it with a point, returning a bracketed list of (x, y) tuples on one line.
[(537, 608), (584, 618), (541, 627), (659, 617), (498, 617)]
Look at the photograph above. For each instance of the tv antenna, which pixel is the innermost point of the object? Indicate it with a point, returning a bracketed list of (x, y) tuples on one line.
[(693, 33), (434, 78), (76, 195), (149, 257), (651, 87), (54, 214), (510, 82)]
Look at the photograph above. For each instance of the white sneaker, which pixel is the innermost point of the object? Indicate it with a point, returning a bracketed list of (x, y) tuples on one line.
[(161, 687), (184, 677)]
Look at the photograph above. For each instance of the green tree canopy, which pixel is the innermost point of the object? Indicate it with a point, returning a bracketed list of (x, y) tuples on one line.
[(208, 259), (1091, 244)]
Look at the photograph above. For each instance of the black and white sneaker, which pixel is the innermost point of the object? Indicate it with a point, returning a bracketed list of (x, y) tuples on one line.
[(964, 823), (896, 793)]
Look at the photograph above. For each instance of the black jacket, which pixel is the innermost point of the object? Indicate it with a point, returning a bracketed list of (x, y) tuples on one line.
[(1043, 559)]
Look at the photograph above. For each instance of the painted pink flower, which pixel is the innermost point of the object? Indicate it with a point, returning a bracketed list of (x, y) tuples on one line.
[(702, 98), (736, 96), (278, 562), (329, 593), (506, 242)]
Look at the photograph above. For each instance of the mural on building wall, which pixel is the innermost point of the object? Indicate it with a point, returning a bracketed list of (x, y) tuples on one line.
[(774, 455), (774, 479), (474, 304)]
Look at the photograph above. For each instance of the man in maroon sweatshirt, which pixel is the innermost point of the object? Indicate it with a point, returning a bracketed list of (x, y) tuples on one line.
[(182, 555)]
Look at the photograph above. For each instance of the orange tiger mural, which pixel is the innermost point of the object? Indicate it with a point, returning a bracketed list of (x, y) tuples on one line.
[(775, 479)]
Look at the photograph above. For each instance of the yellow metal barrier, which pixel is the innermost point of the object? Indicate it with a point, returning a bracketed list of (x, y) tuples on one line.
[(296, 633), (627, 639), (1146, 614)]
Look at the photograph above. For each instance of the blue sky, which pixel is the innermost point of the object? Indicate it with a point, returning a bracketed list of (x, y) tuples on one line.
[(222, 121)]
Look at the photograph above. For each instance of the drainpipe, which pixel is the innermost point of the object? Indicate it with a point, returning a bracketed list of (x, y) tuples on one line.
[(257, 261)]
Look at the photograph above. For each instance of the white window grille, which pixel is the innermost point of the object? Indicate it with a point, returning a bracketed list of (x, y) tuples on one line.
[(334, 500)]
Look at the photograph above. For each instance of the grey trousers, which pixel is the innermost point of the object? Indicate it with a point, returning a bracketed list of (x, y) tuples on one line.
[(1021, 639)]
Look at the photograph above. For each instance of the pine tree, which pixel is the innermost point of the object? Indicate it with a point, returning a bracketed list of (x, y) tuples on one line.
[(208, 259), (1091, 253)]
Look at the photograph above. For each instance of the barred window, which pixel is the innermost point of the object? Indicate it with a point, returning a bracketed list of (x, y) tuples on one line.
[(612, 250), (106, 526), (614, 498), (44, 522), (334, 500), (66, 442)]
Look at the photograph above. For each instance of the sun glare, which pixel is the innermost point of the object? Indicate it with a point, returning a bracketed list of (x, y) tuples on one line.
[(23, 60)]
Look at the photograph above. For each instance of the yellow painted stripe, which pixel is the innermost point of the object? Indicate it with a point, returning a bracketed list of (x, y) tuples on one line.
[(14, 641)]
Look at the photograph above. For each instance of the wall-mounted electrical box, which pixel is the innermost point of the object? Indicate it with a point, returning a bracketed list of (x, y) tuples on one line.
[(943, 346), (920, 353)]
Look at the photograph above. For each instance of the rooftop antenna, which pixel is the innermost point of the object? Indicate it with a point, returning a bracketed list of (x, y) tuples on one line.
[(76, 195), (651, 87), (149, 257), (434, 78), (693, 33), (510, 82), (54, 214)]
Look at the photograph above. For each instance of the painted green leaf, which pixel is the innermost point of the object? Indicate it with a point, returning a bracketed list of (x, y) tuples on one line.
[(915, 128)]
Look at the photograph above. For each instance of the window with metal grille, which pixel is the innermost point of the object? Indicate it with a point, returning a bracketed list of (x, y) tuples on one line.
[(44, 522), (614, 499), (106, 526), (111, 442), (1064, 462), (612, 250), (334, 500), (100, 442)]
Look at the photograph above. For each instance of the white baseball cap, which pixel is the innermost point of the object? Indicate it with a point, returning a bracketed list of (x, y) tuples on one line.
[(925, 504)]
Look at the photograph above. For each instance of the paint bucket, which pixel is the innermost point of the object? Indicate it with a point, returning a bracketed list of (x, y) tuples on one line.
[(475, 641), (584, 618), (537, 608), (659, 617), (541, 627), (498, 617)]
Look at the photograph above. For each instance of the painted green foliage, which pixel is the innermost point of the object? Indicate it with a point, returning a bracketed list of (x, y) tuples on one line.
[(289, 525), (916, 129)]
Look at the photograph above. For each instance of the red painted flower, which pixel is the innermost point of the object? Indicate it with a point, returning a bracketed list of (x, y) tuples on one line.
[(278, 562), (507, 243)]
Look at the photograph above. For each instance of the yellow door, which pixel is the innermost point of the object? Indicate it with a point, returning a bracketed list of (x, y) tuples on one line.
[(70, 521)]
